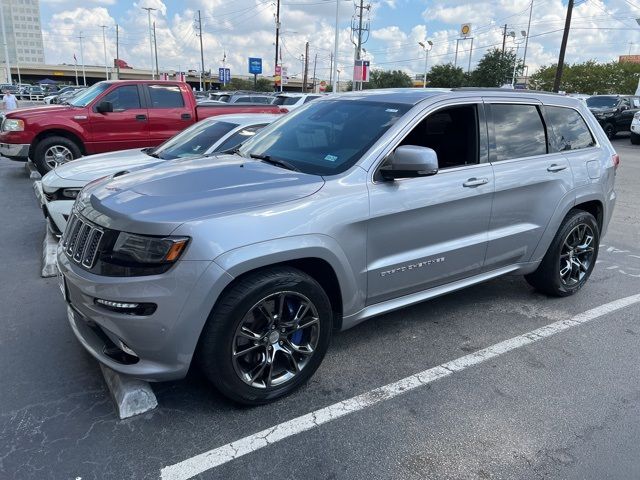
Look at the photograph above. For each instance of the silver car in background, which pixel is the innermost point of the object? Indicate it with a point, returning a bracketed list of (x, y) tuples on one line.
[(352, 206)]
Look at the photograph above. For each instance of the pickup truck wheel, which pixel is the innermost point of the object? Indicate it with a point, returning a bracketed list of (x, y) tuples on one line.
[(635, 139), (266, 336), (53, 151), (568, 263)]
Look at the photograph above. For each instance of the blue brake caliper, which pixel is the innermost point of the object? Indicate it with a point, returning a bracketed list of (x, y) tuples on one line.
[(296, 338)]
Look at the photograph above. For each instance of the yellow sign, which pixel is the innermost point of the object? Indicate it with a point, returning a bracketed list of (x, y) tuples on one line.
[(59, 74), (465, 29)]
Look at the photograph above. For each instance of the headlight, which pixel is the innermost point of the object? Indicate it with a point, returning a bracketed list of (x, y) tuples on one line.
[(636, 116), (142, 249), (71, 193), (12, 125)]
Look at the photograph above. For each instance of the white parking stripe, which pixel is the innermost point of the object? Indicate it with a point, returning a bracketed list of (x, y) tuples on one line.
[(221, 455)]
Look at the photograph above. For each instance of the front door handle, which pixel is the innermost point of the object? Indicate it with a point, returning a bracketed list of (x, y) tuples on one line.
[(185, 116), (141, 117), (475, 182), (556, 168)]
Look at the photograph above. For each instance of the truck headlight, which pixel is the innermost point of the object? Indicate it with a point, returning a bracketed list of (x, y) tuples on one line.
[(71, 193), (12, 125), (143, 249)]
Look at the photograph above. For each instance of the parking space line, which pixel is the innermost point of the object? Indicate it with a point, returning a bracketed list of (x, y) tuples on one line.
[(218, 456)]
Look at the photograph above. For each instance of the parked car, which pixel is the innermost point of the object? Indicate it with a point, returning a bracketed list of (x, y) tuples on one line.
[(356, 205), (614, 112), (241, 97), (67, 96), (69, 90), (294, 100), (205, 138), (110, 115)]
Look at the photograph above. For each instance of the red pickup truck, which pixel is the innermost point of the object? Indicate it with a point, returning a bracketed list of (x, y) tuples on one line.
[(108, 116)]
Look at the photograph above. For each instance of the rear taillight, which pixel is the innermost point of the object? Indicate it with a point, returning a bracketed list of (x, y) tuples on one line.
[(616, 160)]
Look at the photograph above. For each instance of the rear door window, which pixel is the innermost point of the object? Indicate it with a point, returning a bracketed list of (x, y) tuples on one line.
[(166, 96), (519, 131), (571, 131)]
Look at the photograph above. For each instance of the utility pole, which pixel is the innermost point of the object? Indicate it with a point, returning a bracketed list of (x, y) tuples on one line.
[(84, 76), (315, 64), (104, 46), (358, 43), (526, 44), (305, 77), (563, 47), (278, 37), (149, 9), (199, 27), (6, 48), (331, 70), (155, 49), (334, 68), (117, 62), (504, 38), (15, 43)]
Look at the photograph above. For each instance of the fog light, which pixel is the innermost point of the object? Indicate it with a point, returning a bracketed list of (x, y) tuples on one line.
[(128, 308), (118, 305)]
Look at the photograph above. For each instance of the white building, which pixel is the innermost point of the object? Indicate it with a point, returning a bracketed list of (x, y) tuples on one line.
[(23, 32)]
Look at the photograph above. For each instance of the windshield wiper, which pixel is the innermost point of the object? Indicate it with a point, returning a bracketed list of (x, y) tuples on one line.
[(273, 161)]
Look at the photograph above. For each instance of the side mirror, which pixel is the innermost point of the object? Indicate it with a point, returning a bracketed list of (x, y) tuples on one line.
[(410, 161), (104, 107)]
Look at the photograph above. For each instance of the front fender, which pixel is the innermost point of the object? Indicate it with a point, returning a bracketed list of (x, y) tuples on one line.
[(259, 255)]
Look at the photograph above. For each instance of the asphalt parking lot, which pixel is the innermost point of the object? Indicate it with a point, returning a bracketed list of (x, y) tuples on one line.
[(565, 404)]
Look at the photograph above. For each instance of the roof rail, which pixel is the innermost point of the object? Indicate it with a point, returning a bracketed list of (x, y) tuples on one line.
[(498, 89)]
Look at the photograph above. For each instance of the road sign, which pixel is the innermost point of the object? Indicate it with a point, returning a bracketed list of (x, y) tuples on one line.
[(221, 75), (323, 86), (255, 66), (285, 78), (465, 29)]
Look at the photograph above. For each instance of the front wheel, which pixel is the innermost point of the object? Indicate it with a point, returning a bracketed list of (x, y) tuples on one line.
[(609, 130), (568, 263), (53, 151), (266, 336)]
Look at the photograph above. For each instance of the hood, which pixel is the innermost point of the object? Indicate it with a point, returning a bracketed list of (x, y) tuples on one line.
[(28, 112), (86, 169), (602, 110), (159, 199)]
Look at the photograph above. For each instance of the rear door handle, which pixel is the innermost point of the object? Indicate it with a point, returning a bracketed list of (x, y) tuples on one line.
[(185, 116), (475, 182), (141, 117), (556, 168)]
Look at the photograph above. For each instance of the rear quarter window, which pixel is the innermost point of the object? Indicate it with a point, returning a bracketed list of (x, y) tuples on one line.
[(569, 128)]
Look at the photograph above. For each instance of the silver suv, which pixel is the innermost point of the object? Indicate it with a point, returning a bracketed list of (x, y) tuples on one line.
[(354, 205)]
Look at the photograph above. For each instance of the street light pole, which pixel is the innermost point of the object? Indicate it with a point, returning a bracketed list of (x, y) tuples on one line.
[(104, 46), (426, 60), (515, 61), (84, 75), (4, 41), (149, 9), (335, 48)]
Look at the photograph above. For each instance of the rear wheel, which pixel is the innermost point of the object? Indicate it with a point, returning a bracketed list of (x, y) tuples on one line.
[(568, 263), (53, 151), (267, 336), (635, 138)]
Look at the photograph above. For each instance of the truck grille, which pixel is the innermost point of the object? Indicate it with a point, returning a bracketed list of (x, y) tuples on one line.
[(81, 241)]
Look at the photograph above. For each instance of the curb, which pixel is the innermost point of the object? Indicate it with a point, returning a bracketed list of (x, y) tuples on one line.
[(131, 396)]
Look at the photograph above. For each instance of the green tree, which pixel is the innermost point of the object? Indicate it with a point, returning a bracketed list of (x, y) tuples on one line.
[(495, 69), (446, 76), (264, 85), (590, 77), (238, 84), (388, 79)]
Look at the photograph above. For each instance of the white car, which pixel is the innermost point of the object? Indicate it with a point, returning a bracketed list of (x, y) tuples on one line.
[(61, 186), (293, 100)]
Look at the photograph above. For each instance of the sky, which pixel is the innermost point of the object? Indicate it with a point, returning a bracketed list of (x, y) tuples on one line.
[(601, 30)]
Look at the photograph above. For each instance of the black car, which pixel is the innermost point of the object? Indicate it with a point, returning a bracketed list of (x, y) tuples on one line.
[(614, 112)]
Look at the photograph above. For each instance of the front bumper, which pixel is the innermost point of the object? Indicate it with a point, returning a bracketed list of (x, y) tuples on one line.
[(57, 213), (15, 151), (164, 341), (635, 126)]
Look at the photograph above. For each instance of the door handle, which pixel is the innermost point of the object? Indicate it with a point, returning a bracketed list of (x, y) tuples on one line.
[(141, 117), (556, 168), (475, 182), (185, 116)]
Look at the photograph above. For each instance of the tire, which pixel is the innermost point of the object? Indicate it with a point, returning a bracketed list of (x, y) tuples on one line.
[(548, 278), (233, 374), (609, 130), (635, 139), (46, 148)]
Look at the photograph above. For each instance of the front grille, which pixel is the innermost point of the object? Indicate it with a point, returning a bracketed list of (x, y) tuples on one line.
[(81, 241)]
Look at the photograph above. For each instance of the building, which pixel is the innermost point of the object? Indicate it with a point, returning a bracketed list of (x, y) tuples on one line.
[(23, 32), (629, 59)]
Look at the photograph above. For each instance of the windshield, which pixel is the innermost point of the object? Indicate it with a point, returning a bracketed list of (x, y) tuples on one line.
[(194, 141), (88, 95), (326, 137), (221, 97), (282, 100), (602, 102)]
